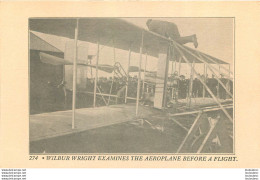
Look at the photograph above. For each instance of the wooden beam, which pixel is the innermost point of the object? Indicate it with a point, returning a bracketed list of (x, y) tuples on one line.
[(139, 74), (205, 79), (191, 83), (180, 59), (96, 77), (201, 110), (144, 73), (178, 123), (127, 81), (75, 75), (212, 123), (191, 131)]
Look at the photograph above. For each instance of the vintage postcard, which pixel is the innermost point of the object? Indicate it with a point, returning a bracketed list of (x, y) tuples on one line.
[(129, 84)]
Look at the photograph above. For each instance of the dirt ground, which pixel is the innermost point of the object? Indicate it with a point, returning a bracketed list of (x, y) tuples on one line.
[(130, 137)]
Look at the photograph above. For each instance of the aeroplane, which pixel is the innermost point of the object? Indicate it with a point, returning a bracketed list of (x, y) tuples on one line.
[(129, 37)]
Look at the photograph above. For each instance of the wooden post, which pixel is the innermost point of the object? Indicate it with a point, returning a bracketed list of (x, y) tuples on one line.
[(191, 131), (172, 68), (218, 82), (205, 79), (191, 83), (111, 87), (166, 76), (75, 75), (127, 81), (144, 74), (180, 59), (175, 64), (139, 75), (96, 77)]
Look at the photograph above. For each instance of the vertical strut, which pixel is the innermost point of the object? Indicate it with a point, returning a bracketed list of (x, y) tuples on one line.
[(75, 75)]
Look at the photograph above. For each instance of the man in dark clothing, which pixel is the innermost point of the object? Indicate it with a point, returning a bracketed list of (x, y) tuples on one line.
[(213, 83), (170, 31), (222, 91), (183, 85), (195, 87)]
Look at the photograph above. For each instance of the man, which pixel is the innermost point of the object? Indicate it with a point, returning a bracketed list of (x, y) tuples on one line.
[(174, 83), (182, 87), (222, 91), (213, 83), (170, 31)]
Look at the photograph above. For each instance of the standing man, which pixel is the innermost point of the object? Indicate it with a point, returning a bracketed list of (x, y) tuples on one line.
[(213, 83), (170, 31)]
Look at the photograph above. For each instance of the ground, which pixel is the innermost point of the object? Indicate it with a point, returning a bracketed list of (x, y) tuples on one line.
[(120, 138)]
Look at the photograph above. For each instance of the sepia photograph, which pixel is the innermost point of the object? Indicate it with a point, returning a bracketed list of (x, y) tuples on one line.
[(131, 85)]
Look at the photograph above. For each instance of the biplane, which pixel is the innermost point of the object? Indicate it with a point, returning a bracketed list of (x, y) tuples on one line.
[(203, 134)]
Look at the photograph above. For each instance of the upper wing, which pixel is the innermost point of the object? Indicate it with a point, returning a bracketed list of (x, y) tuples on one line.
[(113, 32)]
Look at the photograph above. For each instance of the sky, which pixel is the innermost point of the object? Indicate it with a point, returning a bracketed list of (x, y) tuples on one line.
[(215, 37)]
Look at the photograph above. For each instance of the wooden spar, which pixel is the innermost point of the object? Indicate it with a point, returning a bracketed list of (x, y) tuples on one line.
[(75, 74), (96, 77), (210, 68), (189, 132), (191, 83), (204, 72), (102, 95), (220, 80), (114, 56), (172, 68), (91, 74), (144, 73), (180, 59), (175, 64), (139, 75), (208, 58), (127, 81), (207, 88), (203, 110), (166, 76), (178, 123), (213, 123)]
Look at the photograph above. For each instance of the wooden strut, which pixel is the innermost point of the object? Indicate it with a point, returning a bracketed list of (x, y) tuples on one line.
[(75, 75), (166, 78), (203, 110), (127, 84), (96, 77), (212, 123), (178, 123), (144, 74), (180, 59), (191, 84), (114, 55), (139, 75), (205, 79), (207, 88), (195, 123), (210, 68), (102, 96)]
